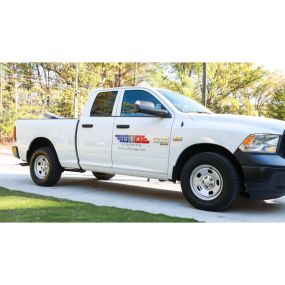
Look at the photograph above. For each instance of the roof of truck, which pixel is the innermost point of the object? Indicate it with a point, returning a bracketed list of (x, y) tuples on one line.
[(126, 87)]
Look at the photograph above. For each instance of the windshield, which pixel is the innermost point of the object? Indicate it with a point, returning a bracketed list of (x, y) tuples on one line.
[(183, 103)]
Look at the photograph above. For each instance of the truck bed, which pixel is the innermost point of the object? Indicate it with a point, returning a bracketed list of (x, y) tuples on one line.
[(61, 133)]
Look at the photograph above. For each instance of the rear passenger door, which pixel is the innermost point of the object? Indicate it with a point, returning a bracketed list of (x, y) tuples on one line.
[(95, 133), (141, 142)]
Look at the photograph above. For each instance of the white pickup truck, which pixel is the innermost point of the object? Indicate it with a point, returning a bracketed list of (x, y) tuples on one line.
[(156, 133)]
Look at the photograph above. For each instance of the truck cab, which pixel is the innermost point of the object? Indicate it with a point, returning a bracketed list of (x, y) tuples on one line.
[(113, 135)]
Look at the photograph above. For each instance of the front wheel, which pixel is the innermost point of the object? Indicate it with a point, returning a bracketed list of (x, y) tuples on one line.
[(44, 167), (210, 181), (103, 176)]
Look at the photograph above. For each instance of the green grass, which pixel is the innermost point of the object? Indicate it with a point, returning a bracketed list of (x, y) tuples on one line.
[(18, 206)]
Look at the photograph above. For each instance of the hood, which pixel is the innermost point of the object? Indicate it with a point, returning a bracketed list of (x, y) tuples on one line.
[(256, 124)]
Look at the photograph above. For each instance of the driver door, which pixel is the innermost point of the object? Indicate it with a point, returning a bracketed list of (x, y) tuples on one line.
[(141, 142)]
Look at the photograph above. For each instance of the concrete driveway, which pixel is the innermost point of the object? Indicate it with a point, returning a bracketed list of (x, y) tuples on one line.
[(136, 194)]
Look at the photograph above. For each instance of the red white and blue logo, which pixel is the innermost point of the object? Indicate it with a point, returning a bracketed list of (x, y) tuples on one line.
[(132, 139)]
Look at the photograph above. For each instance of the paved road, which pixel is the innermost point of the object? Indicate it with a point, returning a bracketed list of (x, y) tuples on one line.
[(135, 193)]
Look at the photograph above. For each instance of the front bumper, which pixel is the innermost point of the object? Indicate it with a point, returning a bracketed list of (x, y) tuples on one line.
[(264, 174), (15, 151)]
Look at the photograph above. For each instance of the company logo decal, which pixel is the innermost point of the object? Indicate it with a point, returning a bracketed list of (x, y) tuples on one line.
[(177, 139), (161, 140), (137, 139)]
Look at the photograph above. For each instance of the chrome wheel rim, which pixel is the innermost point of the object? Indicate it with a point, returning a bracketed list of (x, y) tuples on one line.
[(206, 182), (41, 167)]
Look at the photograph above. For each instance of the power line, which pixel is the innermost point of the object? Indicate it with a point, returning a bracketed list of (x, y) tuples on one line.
[(51, 84)]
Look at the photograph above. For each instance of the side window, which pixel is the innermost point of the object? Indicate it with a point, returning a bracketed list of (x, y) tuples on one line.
[(130, 98), (103, 104)]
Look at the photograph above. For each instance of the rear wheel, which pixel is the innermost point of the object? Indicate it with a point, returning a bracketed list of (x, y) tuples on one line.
[(103, 176), (210, 181), (44, 167)]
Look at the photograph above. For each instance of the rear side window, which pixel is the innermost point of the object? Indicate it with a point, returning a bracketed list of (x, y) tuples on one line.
[(103, 104), (130, 98)]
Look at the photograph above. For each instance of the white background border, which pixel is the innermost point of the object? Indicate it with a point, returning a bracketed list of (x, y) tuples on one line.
[(149, 30), (161, 31)]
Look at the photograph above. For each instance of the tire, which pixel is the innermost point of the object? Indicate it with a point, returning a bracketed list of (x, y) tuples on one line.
[(45, 168), (103, 176), (210, 181)]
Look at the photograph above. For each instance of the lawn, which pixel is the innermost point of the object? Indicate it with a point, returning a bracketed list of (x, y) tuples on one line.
[(18, 206)]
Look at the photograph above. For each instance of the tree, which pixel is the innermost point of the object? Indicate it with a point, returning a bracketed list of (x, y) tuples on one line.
[(276, 108), (230, 81), (262, 93), (179, 77)]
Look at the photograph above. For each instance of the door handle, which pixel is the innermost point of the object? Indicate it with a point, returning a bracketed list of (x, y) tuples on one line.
[(123, 126), (87, 125)]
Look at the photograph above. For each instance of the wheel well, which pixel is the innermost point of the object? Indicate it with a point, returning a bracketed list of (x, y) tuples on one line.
[(198, 148), (38, 143)]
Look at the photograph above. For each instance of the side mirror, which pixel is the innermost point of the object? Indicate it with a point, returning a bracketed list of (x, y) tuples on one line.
[(147, 107)]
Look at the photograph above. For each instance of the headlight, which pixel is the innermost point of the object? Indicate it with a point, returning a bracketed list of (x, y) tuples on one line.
[(262, 143)]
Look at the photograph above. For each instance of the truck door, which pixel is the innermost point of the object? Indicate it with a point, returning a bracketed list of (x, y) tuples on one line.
[(94, 135), (141, 142)]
